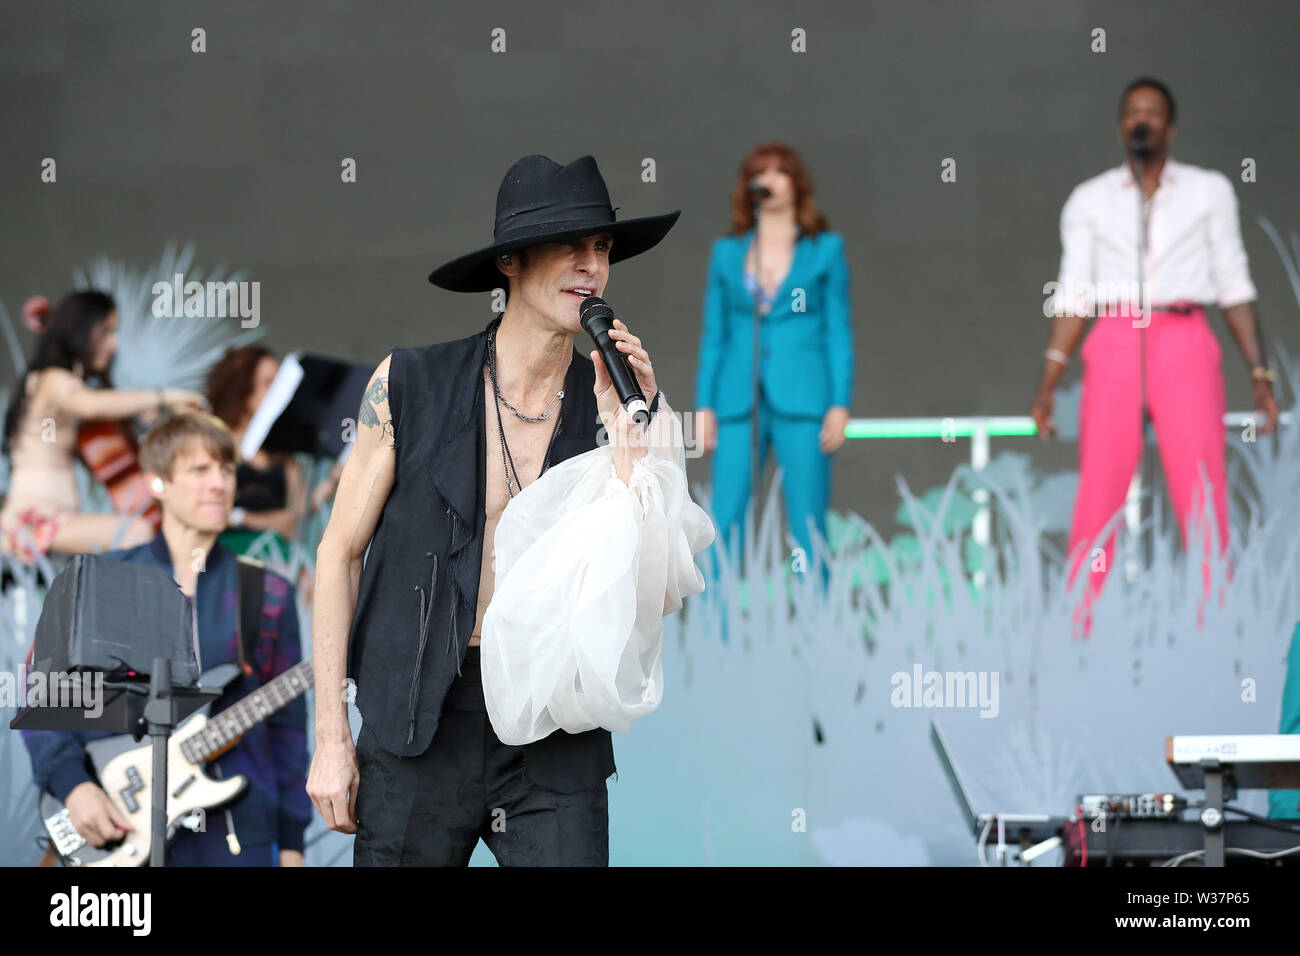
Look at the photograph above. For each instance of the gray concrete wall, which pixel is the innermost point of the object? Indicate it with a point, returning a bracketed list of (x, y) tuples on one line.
[(239, 149)]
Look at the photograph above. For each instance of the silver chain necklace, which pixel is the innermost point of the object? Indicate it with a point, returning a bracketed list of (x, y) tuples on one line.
[(492, 369), (507, 460), (528, 418)]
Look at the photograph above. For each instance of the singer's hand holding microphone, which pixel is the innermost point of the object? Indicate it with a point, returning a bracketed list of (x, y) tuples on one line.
[(625, 383)]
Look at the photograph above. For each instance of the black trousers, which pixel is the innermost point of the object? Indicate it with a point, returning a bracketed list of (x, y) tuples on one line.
[(432, 809)]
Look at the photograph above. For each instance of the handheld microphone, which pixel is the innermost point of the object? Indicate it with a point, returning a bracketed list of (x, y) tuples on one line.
[(597, 319), (1138, 144), (757, 191)]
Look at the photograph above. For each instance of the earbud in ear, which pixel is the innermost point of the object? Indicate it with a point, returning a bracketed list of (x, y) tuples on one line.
[(157, 485)]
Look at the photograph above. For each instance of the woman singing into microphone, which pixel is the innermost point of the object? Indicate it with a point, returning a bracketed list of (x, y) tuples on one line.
[(791, 271)]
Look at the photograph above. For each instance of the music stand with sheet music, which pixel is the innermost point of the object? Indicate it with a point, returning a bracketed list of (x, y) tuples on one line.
[(305, 407)]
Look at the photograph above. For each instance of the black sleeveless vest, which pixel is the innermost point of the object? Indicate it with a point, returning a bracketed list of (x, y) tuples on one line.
[(419, 586)]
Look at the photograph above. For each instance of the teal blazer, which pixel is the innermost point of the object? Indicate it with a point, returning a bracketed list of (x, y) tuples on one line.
[(806, 339), (1282, 804)]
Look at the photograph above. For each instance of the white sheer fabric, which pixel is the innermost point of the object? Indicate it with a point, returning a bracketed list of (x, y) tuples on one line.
[(586, 569)]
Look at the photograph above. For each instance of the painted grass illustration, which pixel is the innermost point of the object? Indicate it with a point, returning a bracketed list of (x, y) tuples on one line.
[(789, 742)]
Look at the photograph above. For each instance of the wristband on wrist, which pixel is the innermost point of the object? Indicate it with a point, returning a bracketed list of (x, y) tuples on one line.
[(1056, 355), (1262, 373)]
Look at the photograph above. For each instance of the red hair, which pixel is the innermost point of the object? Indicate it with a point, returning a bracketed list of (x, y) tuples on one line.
[(230, 381), (806, 214)]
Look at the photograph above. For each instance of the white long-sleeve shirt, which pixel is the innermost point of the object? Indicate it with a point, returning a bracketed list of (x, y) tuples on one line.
[(1194, 250)]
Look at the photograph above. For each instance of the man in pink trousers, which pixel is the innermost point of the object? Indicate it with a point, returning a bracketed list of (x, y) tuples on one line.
[(1165, 358)]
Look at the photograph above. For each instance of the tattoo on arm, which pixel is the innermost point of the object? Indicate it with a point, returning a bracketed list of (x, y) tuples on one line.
[(376, 394)]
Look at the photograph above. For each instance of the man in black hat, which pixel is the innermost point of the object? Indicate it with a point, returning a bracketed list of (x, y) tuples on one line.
[(419, 499)]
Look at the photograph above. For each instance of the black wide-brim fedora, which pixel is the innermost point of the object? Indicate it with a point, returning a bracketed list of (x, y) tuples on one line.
[(541, 201)]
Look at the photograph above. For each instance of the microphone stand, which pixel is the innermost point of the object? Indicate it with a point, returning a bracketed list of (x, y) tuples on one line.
[(160, 720), (1139, 155)]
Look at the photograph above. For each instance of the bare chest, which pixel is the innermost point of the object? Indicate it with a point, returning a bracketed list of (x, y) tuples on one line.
[(520, 458), (773, 263), (526, 444)]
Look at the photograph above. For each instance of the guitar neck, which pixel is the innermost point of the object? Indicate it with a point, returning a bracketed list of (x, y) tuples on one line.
[(248, 712)]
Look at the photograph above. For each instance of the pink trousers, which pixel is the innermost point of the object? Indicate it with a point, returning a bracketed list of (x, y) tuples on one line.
[(1186, 400)]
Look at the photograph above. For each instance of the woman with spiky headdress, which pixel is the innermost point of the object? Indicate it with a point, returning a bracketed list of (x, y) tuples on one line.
[(42, 510)]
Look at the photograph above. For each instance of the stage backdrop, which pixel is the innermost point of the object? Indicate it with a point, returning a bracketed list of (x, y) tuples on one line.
[(785, 746)]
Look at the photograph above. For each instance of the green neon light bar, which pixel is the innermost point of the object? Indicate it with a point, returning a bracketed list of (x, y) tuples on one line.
[(994, 427)]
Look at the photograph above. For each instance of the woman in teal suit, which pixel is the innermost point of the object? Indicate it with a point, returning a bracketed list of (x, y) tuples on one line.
[(805, 349)]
